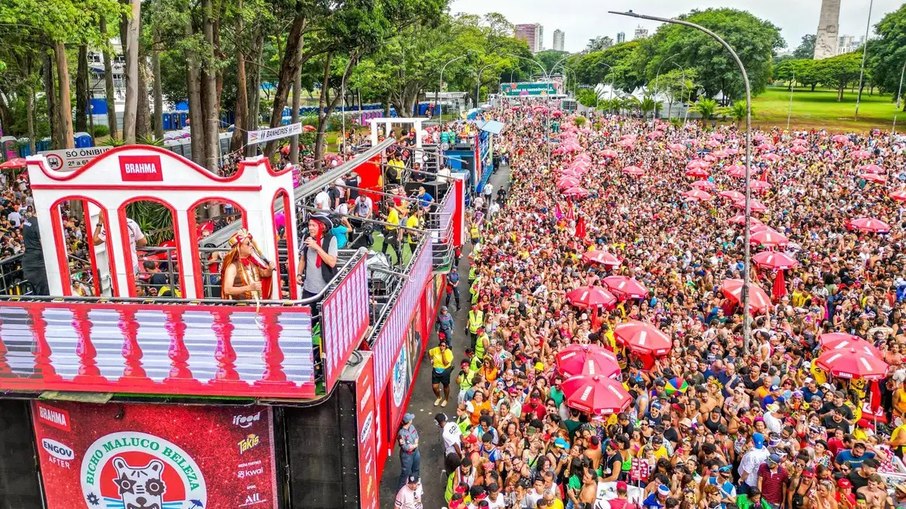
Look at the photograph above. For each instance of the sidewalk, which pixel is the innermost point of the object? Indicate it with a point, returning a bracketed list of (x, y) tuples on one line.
[(422, 402)]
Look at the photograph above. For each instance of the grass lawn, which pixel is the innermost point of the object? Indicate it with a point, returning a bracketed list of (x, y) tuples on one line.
[(820, 110)]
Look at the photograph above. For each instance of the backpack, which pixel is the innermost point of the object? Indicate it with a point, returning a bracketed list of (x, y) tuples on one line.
[(327, 272)]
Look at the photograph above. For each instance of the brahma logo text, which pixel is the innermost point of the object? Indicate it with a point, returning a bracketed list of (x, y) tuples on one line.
[(248, 443), (141, 168), (52, 416), (138, 470)]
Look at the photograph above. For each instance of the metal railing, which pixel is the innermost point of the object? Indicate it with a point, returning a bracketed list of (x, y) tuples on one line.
[(12, 277)]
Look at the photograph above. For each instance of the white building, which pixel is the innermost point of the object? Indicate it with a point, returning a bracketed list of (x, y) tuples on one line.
[(640, 33), (559, 37)]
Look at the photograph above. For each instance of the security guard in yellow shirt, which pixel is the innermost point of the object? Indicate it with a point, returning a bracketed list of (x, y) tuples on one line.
[(476, 321)]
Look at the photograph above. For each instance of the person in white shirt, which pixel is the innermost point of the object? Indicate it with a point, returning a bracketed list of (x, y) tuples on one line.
[(136, 239), (748, 467), (322, 200), (410, 495)]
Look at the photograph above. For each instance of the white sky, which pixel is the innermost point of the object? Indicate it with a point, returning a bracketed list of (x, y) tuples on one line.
[(585, 19)]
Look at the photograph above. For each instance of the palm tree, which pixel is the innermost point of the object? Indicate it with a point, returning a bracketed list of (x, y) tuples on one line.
[(630, 104), (648, 104), (738, 112), (705, 107)]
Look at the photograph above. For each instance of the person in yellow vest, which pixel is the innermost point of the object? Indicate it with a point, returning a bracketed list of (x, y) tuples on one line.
[(442, 364), (481, 344), (476, 320)]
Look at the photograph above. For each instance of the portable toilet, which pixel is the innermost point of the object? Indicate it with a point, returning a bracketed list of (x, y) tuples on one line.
[(24, 147), (43, 144), (167, 121), (183, 119), (82, 140), (9, 147)]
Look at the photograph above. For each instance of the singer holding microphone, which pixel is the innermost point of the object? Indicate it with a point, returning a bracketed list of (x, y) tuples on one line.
[(245, 273), (318, 260)]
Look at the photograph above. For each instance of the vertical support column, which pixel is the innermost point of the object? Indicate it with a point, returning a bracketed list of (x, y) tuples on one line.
[(132, 352), (272, 354), (225, 355), (43, 366), (180, 374), (88, 366)]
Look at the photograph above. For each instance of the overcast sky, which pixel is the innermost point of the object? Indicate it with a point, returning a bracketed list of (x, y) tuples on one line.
[(585, 19)]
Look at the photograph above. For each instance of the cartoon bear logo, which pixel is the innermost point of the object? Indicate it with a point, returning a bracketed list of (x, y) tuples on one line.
[(140, 487)]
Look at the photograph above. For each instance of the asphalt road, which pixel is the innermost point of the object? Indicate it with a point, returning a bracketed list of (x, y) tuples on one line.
[(422, 402)]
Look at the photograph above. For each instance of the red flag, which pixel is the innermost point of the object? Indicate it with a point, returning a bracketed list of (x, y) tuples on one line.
[(779, 288), (874, 391), (580, 228)]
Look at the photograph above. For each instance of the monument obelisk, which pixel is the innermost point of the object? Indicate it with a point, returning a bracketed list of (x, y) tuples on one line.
[(828, 29)]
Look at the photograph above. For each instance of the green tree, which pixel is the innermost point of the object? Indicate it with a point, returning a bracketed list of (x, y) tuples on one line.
[(599, 43), (649, 105), (587, 97), (840, 71), (806, 48), (622, 63), (888, 52), (705, 107)]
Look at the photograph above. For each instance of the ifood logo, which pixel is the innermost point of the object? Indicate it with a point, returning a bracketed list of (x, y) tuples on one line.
[(246, 421), (57, 450)]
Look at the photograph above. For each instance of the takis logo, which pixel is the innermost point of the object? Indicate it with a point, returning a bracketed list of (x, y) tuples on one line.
[(249, 442), (246, 421), (131, 470)]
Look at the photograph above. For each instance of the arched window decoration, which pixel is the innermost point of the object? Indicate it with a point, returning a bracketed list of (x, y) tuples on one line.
[(284, 236), (151, 244), (86, 266), (212, 221)]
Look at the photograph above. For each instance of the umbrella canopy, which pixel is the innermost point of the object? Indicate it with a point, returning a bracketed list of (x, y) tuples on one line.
[(635, 171), (587, 360), (845, 341), (759, 302), (768, 238), (741, 219), (608, 153), (868, 224), (871, 168), (759, 227), (861, 154), (899, 195), (873, 177), (16, 162), (774, 260), (595, 394), (736, 171), (798, 149), (754, 205), (759, 186), (771, 157), (833, 338), (704, 185), (676, 147), (625, 287), (576, 192), (567, 182), (697, 172), (733, 196), (588, 297), (840, 138), (698, 163), (674, 385), (852, 363), (642, 337), (601, 258), (697, 194)]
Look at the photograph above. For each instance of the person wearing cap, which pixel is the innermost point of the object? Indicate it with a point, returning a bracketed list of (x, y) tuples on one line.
[(772, 481), (442, 366), (409, 495), (410, 458), (620, 502), (445, 324), (752, 461), (452, 437), (658, 498), (801, 486)]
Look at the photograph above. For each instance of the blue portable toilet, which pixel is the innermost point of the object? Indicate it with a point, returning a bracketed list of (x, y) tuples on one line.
[(24, 148), (183, 120), (43, 144), (167, 121), (98, 106), (83, 140)]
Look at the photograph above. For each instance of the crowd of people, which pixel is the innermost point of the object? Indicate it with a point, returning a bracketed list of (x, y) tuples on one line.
[(720, 420)]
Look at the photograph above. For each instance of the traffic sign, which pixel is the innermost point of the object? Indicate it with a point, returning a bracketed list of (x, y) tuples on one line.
[(72, 159)]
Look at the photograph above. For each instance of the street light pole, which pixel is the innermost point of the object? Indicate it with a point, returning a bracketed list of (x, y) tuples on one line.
[(441, 84), (900, 89), (478, 85), (746, 325), (789, 112), (864, 55)]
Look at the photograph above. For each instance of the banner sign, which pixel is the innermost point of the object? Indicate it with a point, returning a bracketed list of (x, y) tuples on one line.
[(71, 159), (156, 349), (528, 89), (265, 135), (367, 436), (344, 319), (118, 456), (142, 168), (393, 332)]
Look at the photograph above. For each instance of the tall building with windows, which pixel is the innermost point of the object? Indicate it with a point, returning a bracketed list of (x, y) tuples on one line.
[(849, 43), (640, 33), (532, 34), (559, 38), (621, 37)]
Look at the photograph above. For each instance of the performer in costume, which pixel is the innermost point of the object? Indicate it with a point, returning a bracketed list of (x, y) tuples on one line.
[(245, 274)]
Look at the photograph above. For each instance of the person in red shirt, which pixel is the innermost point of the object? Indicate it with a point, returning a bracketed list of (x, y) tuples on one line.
[(772, 481), (534, 405), (845, 492)]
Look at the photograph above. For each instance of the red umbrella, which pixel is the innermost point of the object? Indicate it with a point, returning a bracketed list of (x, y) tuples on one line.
[(697, 194), (635, 171), (697, 163), (625, 287), (733, 196), (873, 177), (759, 302), (852, 363), (759, 227), (578, 359), (774, 260), (833, 338), (642, 338), (576, 192), (899, 195), (754, 205), (769, 238), (704, 185), (602, 258), (736, 171), (868, 224), (871, 168), (697, 172), (588, 297), (771, 157), (843, 341), (16, 162), (595, 394), (741, 219)]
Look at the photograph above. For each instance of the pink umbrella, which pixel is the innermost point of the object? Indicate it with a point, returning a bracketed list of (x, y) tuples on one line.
[(608, 153), (741, 219), (868, 224), (697, 194), (769, 238), (655, 134), (676, 147), (576, 192), (852, 363), (720, 154), (759, 302), (833, 338), (712, 143), (16, 162), (774, 260), (871, 168), (642, 338), (754, 205), (627, 142), (898, 195), (736, 171), (625, 287), (844, 341), (567, 182), (771, 157), (588, 297), (861, 154), (733, 196), (759, 185), (718, 137), (602, 258), (703, 184), (697, 172), (635, 171), (697, 163), (840, 138), (595, 394), (798, 149), (873, 177), (759, 227), (578, 359)]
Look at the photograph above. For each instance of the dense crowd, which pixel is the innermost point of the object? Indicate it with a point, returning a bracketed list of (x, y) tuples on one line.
[(714, 422)]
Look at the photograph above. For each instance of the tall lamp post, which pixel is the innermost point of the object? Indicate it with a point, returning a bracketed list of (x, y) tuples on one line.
[(900, 89), (864, 56), (441, 84), (746, 325), (478, 85)]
